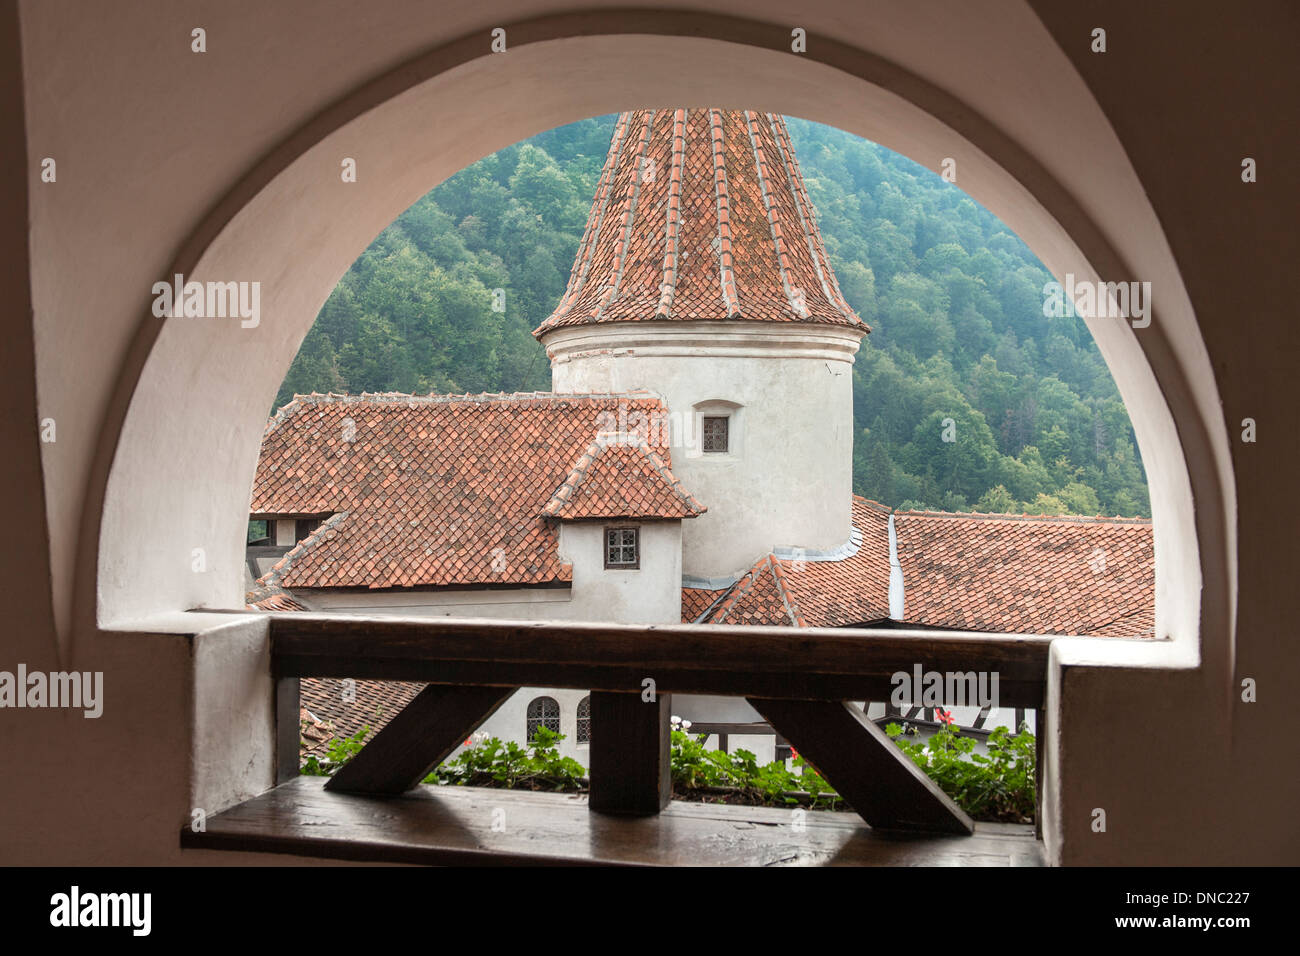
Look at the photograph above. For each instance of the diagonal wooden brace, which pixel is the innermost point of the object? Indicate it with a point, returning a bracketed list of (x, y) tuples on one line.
[(429, 728), (864, 766)]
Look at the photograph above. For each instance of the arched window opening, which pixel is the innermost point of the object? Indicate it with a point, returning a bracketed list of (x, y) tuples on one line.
[(542, 712), (584, 720)]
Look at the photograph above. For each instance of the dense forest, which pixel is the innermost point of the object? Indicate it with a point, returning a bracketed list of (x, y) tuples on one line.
[(965, 396)]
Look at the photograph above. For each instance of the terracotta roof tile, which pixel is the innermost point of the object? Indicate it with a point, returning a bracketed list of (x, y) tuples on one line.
[(1019, 574), (620, 476), (695, 601), (1028, 574), (854, 590), (701, 214), (759, 597), (279, 600), (1006, 573), (338, 715), (441, 490)]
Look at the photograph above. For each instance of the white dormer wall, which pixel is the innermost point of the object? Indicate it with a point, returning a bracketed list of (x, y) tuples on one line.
[(788, 479), (285, 534), (651, 594)]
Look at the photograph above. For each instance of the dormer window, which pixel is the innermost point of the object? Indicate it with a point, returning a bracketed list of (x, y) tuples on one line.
[(717, 429), (622, 549)]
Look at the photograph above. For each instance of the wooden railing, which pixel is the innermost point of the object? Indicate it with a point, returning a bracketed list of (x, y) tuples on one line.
[(801, 682)]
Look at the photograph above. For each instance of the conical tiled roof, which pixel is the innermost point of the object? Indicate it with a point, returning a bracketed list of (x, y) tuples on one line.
[(701, 215)]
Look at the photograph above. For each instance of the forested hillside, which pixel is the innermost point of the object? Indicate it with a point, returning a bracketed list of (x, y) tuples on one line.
[(960, 349)]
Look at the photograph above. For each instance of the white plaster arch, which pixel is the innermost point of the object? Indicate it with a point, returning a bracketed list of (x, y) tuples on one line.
[(177, 457)]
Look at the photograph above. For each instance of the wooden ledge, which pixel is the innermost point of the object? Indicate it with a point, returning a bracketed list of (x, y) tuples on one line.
[(475, 826)]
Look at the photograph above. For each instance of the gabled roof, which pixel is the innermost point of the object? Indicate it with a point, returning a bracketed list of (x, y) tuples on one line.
[(620, 476), (438, 490), (701, 215), (808, 592), (759, 597)]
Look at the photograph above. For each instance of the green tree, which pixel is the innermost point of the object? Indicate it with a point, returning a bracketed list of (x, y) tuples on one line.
[(997, 500)]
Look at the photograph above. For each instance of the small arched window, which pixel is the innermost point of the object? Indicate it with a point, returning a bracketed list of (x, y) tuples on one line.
[(542, 712), (584, 720)]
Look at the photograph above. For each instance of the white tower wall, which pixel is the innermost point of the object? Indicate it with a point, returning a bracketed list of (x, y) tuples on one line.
[(786, 480)]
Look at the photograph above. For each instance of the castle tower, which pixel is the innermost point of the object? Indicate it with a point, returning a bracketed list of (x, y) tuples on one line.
[(702, 276)]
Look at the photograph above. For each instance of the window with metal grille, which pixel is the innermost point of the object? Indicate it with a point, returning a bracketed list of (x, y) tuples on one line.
[(584, 720), (622, 548), (542, 712), (716, 433)]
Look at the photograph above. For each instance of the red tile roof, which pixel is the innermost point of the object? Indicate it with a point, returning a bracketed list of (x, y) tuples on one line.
[(1028, 574), (264, 599), (440, 490), (759, 597), (695, 601), (1018, 574), (992, 573), (370, 703), (466, 490), (701, 214), (854, 590), (620, 476)]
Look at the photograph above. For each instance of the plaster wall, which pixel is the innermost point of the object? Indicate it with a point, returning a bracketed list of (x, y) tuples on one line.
[(787, 479), (651, 594), (510, 722)]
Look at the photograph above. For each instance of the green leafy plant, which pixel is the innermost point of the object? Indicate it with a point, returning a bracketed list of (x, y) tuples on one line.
[(998, 786), (538, 766), (339, 752), (696, 770)]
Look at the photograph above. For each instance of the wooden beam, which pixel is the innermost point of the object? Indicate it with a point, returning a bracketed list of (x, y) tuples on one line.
[(808, 663), (864, 766), (288, 731), (630, 743), (418, 738)]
